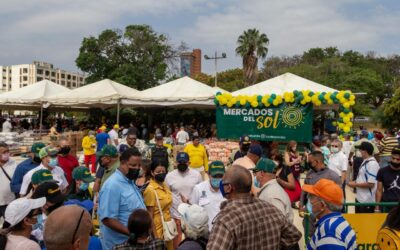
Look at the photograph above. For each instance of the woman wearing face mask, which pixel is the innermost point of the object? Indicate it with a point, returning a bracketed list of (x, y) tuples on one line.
[(20, 216), (293, 159), (144, 176), (157, 195), (79, 188)]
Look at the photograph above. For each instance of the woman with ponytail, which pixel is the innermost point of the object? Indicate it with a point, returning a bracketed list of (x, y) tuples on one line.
[(140, 233)]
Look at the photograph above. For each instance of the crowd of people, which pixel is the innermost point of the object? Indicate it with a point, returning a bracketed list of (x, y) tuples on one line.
[(153, 199)]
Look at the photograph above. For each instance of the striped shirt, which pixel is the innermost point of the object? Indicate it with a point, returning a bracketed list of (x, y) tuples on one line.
[(388, 144), (333, 232)]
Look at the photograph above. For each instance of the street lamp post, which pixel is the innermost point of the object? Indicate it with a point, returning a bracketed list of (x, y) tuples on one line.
[(216, 58)]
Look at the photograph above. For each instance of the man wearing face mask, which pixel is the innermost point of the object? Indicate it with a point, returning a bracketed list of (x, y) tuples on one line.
[(118, 197), (318, 171), (333, 231), (244, 144), (245, 221), (24, 167), (8, 167), (181, 182), (78, 189), (338, 162), (65, 160), (389, 182), (109, 162), (48, 156), (207, 193)]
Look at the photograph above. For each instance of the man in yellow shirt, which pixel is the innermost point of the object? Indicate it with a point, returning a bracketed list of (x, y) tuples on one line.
[(89, 150), (198, 157)]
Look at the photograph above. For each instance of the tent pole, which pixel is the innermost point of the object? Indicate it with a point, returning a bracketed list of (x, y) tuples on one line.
[(118, 104), (41, 119)]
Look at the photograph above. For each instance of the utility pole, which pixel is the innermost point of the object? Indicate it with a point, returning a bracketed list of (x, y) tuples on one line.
[(215, 58)]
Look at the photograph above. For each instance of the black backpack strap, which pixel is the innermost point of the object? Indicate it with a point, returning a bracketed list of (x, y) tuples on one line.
[(5, 173)]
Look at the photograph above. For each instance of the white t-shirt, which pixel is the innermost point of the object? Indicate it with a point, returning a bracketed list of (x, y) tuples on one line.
[(21, 243), (273, 193), (338, 162), (205, 196), (346, 149), (181, 184), (368, 171), (58, 175), (7, 127), (113, 136), (182, 137), (6, 196)]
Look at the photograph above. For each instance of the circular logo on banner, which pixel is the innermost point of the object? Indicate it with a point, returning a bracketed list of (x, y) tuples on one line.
[(292, 116)]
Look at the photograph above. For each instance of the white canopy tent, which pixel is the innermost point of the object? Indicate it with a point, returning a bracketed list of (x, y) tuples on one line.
[(287, 82), (182, 92), (32, 96), (103, 93)]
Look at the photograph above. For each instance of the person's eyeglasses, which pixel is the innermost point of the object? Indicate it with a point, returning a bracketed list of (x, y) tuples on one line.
[(77, 226)]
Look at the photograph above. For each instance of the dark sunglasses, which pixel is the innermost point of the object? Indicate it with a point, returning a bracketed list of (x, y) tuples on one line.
[(77, 226)]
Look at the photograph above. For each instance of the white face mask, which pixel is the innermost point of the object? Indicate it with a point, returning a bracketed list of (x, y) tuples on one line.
[(335, 150)]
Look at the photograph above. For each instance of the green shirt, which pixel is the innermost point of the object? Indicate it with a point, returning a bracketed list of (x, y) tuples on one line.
[(108, 172)]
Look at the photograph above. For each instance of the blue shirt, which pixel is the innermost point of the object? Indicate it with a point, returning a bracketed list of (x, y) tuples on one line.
[(101, 139), (333, 232), (22, 168), (118, 197)]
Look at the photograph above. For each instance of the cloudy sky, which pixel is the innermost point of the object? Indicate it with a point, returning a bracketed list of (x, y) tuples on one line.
[(52, 30)]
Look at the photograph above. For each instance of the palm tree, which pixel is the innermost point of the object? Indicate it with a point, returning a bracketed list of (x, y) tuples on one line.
[(251, 46)]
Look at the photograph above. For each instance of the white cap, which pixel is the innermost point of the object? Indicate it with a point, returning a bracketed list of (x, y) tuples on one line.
[(18, 209), (193, 215)]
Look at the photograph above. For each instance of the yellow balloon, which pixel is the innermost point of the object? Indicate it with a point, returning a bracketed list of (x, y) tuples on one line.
[(346, 119), (352, 97), (352, 103), (243, 102), (254, 104), (229, 104), (350, 124), (341, 125), (275, 102), (341, 114), (346, 129), (351, 115), (346, 105)]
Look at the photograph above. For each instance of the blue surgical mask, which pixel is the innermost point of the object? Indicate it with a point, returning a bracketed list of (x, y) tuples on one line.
[(215, 182), (221, 188), (39, 223), (309, 207), (84, 186), (53, 162), (256, 183)]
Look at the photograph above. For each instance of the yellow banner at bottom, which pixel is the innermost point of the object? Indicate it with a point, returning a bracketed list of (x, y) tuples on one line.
[(366, 227)]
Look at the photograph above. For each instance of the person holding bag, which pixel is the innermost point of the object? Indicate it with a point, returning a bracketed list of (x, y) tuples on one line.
[(158, 200)]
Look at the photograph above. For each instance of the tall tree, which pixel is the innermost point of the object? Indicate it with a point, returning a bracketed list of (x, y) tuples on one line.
[(251, 45), (137, 57)]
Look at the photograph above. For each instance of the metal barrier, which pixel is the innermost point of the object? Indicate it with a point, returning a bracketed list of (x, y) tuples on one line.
[(346, 205)]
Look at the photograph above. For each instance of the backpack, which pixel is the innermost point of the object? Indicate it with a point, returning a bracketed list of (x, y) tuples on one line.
[(388, 239)]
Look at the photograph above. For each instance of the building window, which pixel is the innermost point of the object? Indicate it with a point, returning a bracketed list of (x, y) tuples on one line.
[(47, 73), (69, 77), (4, 78), (39, 71), (4, 70), (39, 79), (25, 70), (53, 74), (63, 83), (25, 78), (81, 79), (24, 84), (69, 85), (62, 75), (74, 78)]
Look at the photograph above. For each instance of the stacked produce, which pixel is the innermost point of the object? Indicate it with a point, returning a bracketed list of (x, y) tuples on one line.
[(220, 150)]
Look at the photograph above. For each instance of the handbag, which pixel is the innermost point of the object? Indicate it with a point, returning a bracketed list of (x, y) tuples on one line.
[(169, 227)]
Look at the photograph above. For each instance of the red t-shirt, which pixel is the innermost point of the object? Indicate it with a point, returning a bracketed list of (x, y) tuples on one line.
[(68, 163)]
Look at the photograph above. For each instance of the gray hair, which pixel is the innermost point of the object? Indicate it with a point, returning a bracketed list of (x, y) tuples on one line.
[(194, 233), (339, 142), (332, 207)]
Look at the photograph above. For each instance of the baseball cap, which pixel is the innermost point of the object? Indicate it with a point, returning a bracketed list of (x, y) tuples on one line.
[(266, 165), (366, 146), (326, 190), (193, 215), (116, 126), (256, 150), (36, 147), (82, 173), (108, 150), (159, 136), (216, 167), (18, 209), (50, 190), (103, 128), (41, 176), (182, 157), (47, 151), (245, 139)]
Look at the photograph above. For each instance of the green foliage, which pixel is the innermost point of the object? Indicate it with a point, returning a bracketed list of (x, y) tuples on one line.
[(230, 80), (251, 45), (391, 111), (137, 57)]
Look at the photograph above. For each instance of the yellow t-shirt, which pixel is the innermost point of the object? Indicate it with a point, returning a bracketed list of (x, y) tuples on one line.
[(87, 143), (165, 197), (197, 156)]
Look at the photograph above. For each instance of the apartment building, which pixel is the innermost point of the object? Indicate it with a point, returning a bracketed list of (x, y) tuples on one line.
[(18, 76)]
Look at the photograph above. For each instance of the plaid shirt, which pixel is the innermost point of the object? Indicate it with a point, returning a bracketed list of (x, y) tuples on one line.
[(250, 223), (155, 244)]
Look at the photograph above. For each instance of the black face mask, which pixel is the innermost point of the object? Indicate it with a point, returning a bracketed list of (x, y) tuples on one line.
[(64, 150), (245, 148), (182, 167), (160, 177), (133, 174), (395, 164), (36, 159)]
